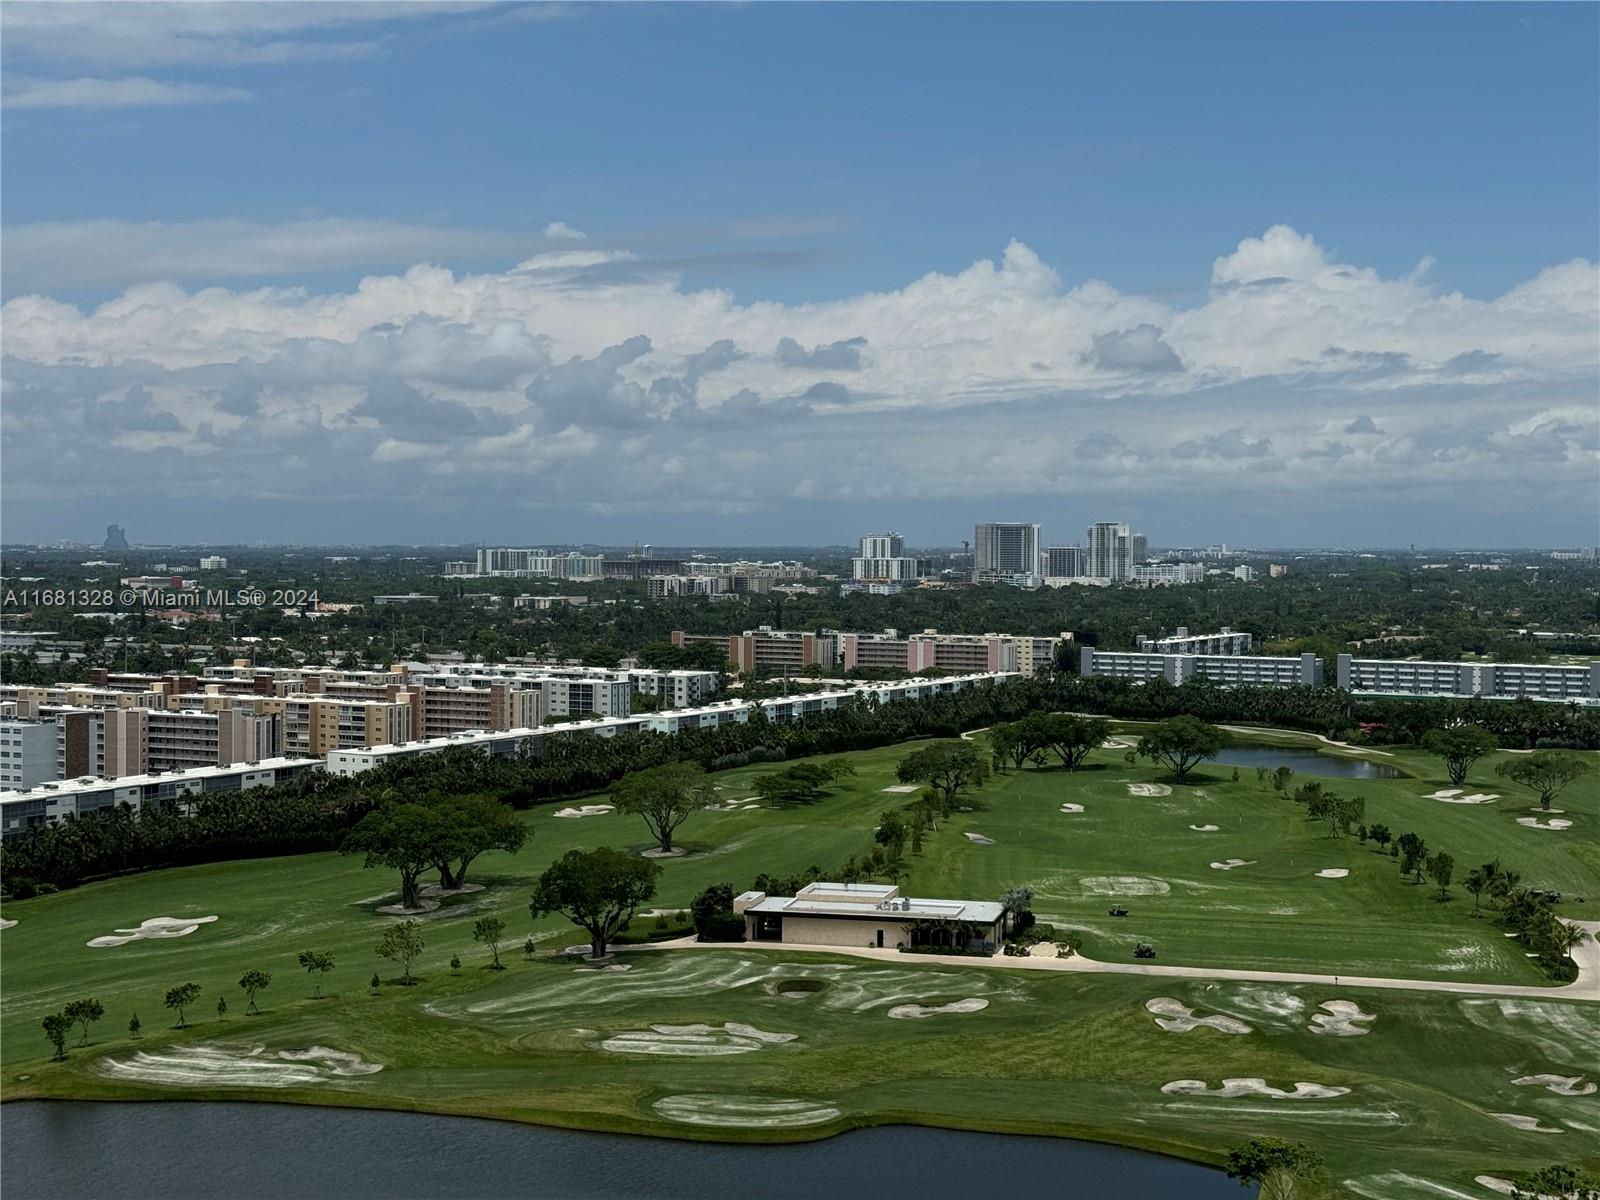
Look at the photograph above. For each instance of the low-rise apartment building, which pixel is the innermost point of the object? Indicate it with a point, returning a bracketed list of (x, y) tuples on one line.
[(1183, 642), (1229, 670), (767, 649), (1405, 677)]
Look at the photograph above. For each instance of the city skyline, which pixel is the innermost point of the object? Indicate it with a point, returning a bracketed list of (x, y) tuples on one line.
[(1043, 289)]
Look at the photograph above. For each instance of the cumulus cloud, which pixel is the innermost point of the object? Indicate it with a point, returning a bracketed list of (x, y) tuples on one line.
[(843, 355), (562, 232), (134, 92), (548, 382), (1136, 349)]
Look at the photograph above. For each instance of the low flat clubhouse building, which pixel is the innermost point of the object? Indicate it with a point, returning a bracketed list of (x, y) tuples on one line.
[(869, 914)]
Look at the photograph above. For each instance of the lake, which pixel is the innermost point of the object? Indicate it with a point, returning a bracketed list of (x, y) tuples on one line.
[(1304, 762), (82, 1150)]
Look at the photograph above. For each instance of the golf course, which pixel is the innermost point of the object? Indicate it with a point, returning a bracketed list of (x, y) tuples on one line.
[(1258, 1015)]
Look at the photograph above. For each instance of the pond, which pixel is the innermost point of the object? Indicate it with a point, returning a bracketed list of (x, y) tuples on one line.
[(1305, 762), (66, 1150)]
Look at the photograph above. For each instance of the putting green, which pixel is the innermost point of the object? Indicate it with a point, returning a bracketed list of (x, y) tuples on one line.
[(761, 1044)]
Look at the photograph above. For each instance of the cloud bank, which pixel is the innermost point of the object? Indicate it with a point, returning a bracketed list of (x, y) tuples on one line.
[(564, 381)]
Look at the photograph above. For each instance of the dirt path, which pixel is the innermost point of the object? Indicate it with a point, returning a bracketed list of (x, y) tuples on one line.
[(1585, 987)]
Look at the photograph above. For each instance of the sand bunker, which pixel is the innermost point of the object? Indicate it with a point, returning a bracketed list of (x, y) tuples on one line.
[(224, 1065), (1341, 1018), (153, 929), (980, 839), (1552, 823), (1123, 885), (1526, 1124), (745, 1112), (1205, 828), (1116, 743), (1175, 1016), (1072, 808), (1457, 796), (436, 890), (586, 810), (1397, 1185), (1251, 1087), (5, 924), (916, 1012), (657, 852), (1149, 789), (1561, 1085), (694, 1041), (1229, 864), (1332, 873), (903, 789)]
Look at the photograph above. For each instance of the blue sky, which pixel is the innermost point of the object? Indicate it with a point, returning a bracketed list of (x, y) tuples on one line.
[(806, 166)]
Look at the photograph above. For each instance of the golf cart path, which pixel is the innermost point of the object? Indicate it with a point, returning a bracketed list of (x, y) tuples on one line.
[(1585, 987)]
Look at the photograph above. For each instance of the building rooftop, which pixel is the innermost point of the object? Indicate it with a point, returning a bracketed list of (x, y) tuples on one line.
[(870, 900)]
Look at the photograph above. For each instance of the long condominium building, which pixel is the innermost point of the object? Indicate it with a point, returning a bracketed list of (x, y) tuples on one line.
[(766, 648), (1227, 641), (950, 651), (1403, 677), (1229, 670)]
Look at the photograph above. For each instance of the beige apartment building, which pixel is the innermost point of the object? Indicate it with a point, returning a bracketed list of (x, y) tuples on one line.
[(437, 711), (315, 726)]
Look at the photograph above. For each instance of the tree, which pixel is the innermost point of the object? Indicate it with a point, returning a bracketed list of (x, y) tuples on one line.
[(1278, 1166), (1570, 1183), (83, 1013), (1547, 772), (1460, 746), (180, 998), (949, 768), (133, 1026), (894, 829), (375, 983), (1070, 737), (253, 981), (469, 825), (1182, 743), (712, 911), (404, 838), (665, 797), (597, 890), (56, 1027), (1381, 835), (1281, 777), (1413, 852), (455, 962), (222, 1008), (489, 931), (402, 943), (1441, 868), (1017, 905), (317, 963), (1476, 883), (530, 948)]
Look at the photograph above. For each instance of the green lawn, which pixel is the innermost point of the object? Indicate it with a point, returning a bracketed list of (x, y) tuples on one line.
[(551, 1042)]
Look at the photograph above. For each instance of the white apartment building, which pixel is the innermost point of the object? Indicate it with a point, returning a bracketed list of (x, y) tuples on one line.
[(27, 752), (1403, 677), (1005, 552), (1165, 574), (677, 688), (882, 556), (665, 587), (1183, 642), (540, 564), (1063, 562), (1229, 670), (1113, 550), (213, 562), (50, 803)]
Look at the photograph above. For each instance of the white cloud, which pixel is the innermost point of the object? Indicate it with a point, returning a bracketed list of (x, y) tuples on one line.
[(134, 92), (206, 33), (1302, 376), (561, 231)]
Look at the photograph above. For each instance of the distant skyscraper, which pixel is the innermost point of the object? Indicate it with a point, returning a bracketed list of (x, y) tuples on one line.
[(116, 539), (1063, 562), (1004, 550), (883, 545), (1138, 549), (1110, 550), (883, 556)]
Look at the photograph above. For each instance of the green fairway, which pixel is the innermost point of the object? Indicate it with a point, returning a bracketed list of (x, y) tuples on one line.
[(1051, 1052)]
